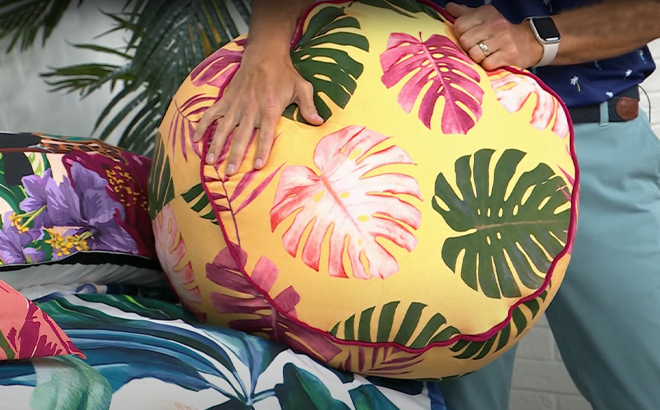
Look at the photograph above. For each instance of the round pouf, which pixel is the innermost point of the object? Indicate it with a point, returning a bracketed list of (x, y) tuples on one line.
[(419, 232)]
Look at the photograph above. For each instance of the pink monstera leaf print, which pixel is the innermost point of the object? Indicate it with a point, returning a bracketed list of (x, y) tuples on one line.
[(270, 318), (27, 332), (347, 201), (171, 251), (447, 71), (515, 90)]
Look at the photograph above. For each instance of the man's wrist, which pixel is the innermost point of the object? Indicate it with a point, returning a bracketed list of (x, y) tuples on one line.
[(546, 34), (530, 51), (267, 53)]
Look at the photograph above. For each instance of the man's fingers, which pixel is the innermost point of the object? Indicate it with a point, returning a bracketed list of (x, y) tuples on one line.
[(222, 131), (500, 53), (476, 35), (305, 99), (211, 114), (239, 144), (481, 50), (456, 10), (476, 54), (493, 62), (265, 141)]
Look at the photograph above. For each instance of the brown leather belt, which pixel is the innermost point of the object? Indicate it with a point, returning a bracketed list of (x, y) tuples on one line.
[(621, 108)]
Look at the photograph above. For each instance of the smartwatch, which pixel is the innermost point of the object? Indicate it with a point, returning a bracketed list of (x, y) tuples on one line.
[(546, 33)]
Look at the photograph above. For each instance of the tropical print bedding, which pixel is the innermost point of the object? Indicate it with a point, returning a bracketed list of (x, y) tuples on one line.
[(145, 353)]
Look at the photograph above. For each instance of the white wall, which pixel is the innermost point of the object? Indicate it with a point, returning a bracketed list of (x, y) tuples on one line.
[(540, 380), (26, 104)]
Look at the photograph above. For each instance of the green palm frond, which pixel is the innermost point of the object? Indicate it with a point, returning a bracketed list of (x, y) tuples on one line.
[(23, 19), (85, 78), (167, 40)]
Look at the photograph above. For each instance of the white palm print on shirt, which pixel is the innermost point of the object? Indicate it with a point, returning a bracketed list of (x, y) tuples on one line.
[(575, 81)]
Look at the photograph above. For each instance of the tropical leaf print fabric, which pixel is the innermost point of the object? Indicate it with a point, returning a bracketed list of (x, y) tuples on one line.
[(342, 197), (418, 233), (450, 73), (26, 331), (145, 353)]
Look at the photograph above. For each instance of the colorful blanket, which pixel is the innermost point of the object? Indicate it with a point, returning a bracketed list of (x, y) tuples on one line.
[(144, 353)]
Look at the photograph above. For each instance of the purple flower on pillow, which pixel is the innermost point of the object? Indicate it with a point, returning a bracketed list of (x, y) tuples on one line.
[(126, 184), (37, 188), (81, 203), (14, 244)]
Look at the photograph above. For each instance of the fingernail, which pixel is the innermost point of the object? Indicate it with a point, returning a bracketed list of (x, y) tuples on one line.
[(210, 158), (317, 117), (258, 163), (230, 169)]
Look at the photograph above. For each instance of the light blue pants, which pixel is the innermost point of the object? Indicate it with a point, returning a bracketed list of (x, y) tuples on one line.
[(606, 315)]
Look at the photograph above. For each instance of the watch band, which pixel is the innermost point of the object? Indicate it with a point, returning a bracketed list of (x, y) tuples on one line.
[(550, 43), (549, 54)]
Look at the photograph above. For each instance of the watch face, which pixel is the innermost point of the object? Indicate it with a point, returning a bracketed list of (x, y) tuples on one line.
[(546, 29)]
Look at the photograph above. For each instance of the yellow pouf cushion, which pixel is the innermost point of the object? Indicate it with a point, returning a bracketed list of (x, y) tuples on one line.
[(420, 232)]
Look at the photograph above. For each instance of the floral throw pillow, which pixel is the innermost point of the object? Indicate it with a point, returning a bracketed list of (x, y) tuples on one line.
[(27, 332), (68, 202)]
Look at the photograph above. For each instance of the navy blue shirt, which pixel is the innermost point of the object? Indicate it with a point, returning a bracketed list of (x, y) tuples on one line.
[(579, 84)]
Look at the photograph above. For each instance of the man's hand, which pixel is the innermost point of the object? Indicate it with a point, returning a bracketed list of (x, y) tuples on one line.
[(254, 101), (506, 43), (264, 85)]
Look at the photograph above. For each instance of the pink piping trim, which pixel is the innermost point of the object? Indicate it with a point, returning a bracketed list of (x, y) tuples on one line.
[(472, 338)]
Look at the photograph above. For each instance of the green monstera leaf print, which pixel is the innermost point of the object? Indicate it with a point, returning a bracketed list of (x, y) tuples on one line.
[(512, 229), (360, 328), (521, 316), (376, 325), (333, 72)]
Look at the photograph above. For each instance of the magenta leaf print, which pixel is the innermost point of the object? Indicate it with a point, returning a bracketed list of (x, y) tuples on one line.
[(223, 200), (216, 70), (171, 251), (445, 69), (347, 201), (256, 313), (219, 67), (27, 332), (185, 120), (515, 90)]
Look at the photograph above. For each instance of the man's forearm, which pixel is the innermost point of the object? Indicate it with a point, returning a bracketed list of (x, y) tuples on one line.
[(605, 30), (272, 25)]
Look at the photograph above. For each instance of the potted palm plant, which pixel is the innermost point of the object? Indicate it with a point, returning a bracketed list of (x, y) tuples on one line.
[(166, 40)]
